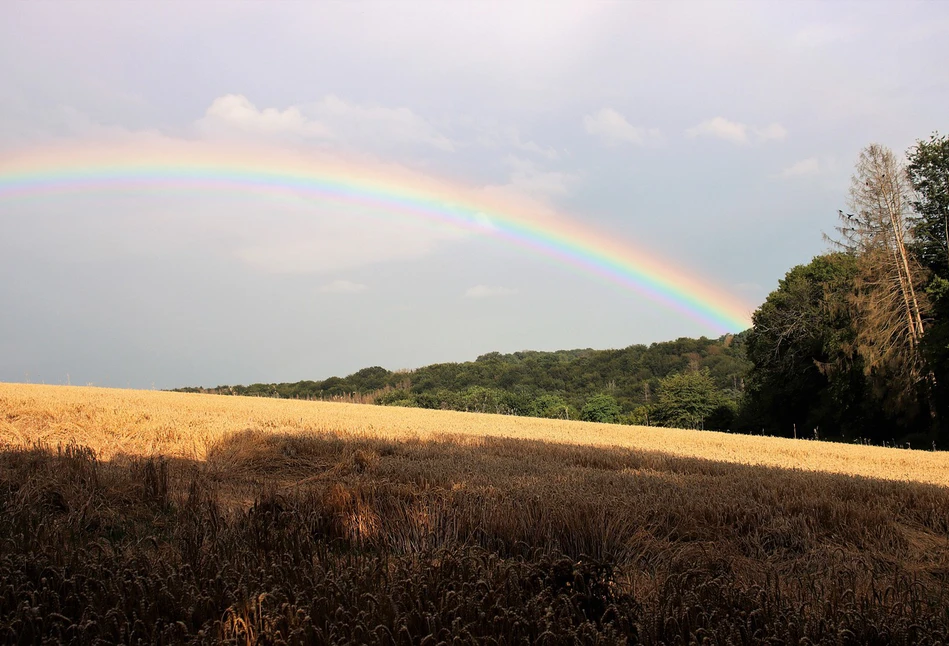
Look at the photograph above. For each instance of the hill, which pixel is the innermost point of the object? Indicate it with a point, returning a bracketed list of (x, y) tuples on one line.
[(539, 384)]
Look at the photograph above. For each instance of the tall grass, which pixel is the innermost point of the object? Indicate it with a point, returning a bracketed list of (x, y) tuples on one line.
[(277, 537)]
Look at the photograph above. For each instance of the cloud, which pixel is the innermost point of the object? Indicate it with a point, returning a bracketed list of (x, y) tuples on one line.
[(737, 133), (470, 131), (486, 291), (532, 147), (532, 187), (527, 178), (330, 119), (809, 166), (612, 128), (396, 125), (235, 114), (342, 287)]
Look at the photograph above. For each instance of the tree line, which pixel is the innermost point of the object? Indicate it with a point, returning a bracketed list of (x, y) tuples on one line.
[(696, 383), (853, 345)]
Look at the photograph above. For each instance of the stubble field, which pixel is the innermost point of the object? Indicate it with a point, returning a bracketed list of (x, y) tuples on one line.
[(137, 515)]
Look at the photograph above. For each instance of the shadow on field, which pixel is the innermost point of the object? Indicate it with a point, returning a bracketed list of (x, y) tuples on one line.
[(338, 539)]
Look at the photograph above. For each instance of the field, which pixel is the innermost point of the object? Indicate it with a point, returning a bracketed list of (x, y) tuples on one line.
[(135, 515)]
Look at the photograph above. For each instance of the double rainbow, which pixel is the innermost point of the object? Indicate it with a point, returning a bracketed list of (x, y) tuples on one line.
[(66, 170)]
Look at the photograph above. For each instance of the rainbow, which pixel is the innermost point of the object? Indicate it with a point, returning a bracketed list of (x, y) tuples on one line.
[(193, 166)]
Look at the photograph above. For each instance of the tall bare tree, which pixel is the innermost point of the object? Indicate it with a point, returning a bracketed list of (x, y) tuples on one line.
[(887, 303)]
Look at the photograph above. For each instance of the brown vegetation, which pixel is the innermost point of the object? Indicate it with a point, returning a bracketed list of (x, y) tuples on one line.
[(274, 535)]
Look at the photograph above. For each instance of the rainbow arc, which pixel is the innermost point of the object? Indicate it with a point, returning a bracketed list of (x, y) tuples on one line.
[(65, 170)]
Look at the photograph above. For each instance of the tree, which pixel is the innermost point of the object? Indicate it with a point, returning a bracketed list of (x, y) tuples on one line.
[(888, 297), (804, 374), (928, 172), (600, 408), (686, 399), (551, 406)]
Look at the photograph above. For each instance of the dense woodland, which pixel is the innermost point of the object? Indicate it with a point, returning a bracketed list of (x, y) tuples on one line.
[(598, 385), (852, 346)]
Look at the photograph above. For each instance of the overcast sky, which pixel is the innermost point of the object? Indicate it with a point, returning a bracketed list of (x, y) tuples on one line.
[(720, 137)]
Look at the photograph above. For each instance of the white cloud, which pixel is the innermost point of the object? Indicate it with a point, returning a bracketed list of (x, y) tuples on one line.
[(528, 178), (737, 133), (342, 287), (511, 136), (365, 123), (809, 166), (235, 114), (492, 135), (532, 147), (330, 119), (771, 132), (487, 291), (613, 128), (531, 186)]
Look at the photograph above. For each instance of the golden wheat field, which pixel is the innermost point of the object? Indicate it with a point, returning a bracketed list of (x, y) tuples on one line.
[(153, 517), (147, 423)]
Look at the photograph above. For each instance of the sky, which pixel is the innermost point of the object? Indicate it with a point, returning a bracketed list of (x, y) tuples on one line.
[(715, 140)]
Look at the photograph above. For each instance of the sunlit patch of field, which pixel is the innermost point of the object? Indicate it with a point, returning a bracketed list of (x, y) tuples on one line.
[(146, 423)]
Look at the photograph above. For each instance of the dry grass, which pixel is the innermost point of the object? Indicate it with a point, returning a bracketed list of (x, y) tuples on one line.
[(273, 522), (348, 540), (144, 423)]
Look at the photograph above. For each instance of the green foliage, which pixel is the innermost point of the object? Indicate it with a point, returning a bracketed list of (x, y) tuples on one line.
[(687, 399), (640, 416), (935, 347), (600, 408), (542, 384), (928, 171), (804, 375), (552, 407)]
